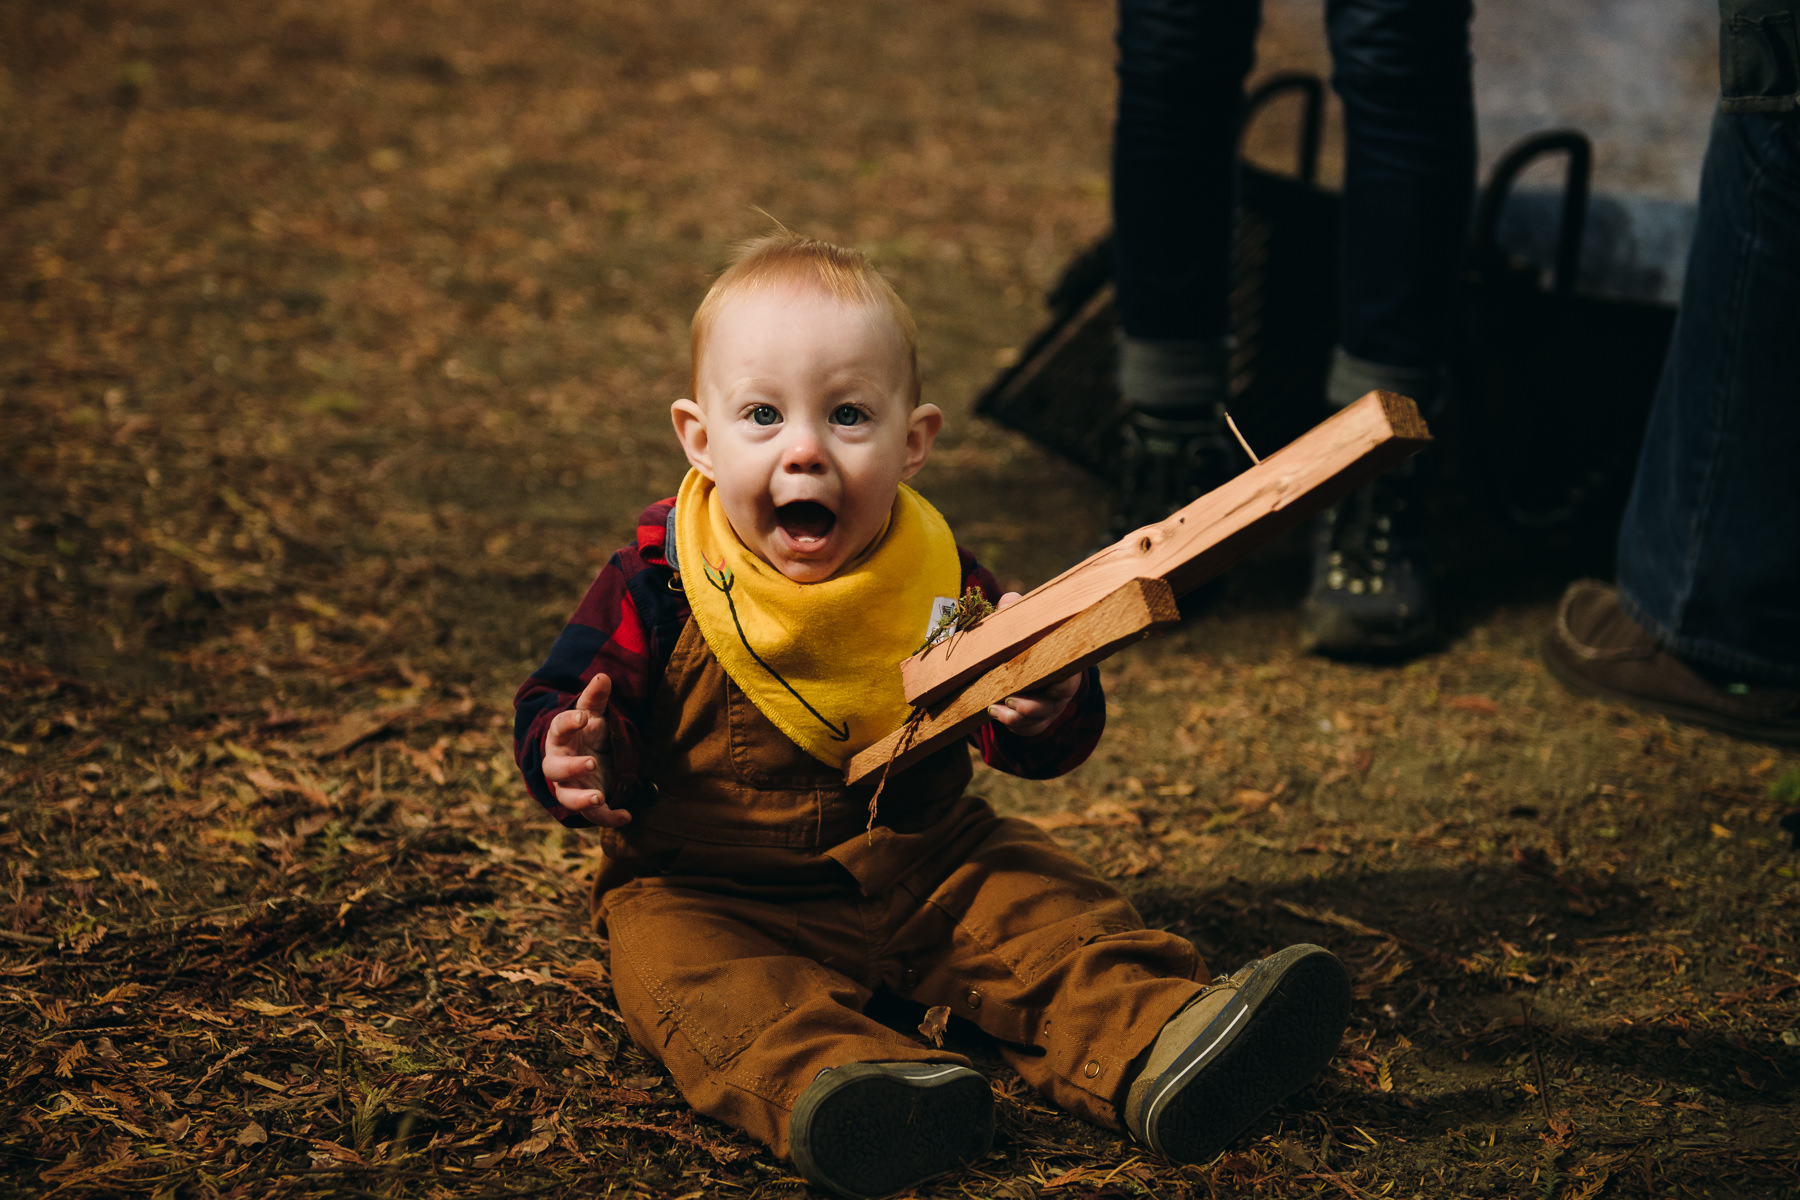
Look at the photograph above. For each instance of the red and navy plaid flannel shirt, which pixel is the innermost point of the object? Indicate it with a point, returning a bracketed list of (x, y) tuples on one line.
[(627, 625)]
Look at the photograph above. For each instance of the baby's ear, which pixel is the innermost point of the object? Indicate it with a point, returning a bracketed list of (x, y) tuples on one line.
[(921, 431), (690, 430)]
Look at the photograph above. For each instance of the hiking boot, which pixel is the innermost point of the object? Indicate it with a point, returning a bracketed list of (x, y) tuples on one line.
[(1240, 1047), (1595, 647), (871, 1129), (1370, 595), (1167, 462)]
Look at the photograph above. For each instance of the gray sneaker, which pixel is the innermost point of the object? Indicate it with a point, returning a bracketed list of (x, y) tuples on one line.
[(871, 1129), (1239, 1048)]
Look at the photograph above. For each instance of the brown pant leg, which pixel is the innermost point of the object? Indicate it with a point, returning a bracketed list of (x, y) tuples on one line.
[(1028, 942), (730, 994)]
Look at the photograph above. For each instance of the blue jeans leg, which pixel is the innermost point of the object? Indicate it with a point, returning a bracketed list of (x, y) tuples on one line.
[(1709, 549)]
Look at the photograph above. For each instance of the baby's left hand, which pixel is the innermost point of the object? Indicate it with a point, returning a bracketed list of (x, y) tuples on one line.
[(1030, 713)]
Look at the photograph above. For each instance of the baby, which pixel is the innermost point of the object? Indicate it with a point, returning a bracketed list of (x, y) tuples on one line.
[(699, 709)]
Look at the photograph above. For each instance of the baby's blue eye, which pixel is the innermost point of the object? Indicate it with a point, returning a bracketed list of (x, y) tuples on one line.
[(764, 414), (848, 414)]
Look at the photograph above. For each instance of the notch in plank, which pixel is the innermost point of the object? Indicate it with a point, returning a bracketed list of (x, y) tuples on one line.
[(1195, 543), (1128, 614)]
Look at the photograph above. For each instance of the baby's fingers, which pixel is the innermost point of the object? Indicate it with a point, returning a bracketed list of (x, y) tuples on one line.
[(1016, 712), (572, 770), (593, 806), (596, 695), (576, 731), (1057, 691)]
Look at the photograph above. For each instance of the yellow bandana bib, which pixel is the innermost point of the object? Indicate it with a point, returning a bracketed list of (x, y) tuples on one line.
[(820, 660)]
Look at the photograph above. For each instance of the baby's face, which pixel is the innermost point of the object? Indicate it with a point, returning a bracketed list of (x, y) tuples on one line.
[(803, 419)]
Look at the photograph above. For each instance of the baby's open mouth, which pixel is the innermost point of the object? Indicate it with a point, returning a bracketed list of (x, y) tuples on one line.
[(805, 520)]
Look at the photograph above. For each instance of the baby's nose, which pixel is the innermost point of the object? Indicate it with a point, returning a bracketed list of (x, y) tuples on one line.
[(804, 455)]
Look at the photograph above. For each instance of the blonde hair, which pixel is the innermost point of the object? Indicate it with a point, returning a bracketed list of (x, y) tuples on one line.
[(792, 259)]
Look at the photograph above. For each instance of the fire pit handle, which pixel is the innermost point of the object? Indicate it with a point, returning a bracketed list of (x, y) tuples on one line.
[(1576, 182)]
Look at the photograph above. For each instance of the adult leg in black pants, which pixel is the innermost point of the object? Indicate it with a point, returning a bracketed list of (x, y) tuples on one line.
[(1402, 71)]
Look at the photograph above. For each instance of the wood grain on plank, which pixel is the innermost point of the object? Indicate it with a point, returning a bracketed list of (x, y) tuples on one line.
[(1197, 542), (1130, 613)]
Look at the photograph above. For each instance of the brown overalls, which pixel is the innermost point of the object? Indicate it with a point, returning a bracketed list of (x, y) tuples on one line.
[(752, 917)]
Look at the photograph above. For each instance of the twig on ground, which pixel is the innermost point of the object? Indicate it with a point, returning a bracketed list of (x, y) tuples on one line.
[(1536, 1060)]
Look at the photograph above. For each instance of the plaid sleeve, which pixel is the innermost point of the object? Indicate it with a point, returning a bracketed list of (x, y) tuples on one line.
[(624, 627), (1058, 749)]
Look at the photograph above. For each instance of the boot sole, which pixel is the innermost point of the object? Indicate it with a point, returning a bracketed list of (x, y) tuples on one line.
[(1279, 1031), (1328, 631), (864, 1132)]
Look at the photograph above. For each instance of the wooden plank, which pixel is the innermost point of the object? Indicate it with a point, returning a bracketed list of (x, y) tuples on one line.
[(1197, 542), (1129, 614)]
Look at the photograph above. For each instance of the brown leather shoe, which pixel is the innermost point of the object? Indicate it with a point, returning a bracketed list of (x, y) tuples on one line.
[(1595, 647)]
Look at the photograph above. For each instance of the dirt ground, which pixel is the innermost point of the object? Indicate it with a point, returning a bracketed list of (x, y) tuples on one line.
[(336, 343)]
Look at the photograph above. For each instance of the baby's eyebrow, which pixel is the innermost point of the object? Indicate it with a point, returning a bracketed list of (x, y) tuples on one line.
[(858, 382), (759, 390)]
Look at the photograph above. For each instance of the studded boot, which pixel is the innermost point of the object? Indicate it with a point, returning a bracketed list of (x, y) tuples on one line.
[(1370, 595), (1166, 462), (1174, 447)]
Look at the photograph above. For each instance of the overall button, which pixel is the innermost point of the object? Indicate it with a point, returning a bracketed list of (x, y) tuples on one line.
[(1091, 1070), (974, 999)]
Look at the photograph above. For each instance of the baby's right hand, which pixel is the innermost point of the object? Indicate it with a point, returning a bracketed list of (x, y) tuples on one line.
[(578, 756)]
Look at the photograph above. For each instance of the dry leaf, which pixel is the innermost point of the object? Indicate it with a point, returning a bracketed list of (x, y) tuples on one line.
[(528, 975), (269, 784), (588, 972), (67, 1060), (937, 1019), (1111, 812), (429, 763), (266, 1009), (1134, 862), (252, 1135), (527, 1075), (265, 781), (1049, 822), (347, 733), (537, 1143), (1251, 800), (328, 1154), (125, 991)]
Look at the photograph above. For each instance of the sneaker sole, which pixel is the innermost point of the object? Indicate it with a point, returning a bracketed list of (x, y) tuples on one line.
[(868, 1133), (1279, 1031)]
